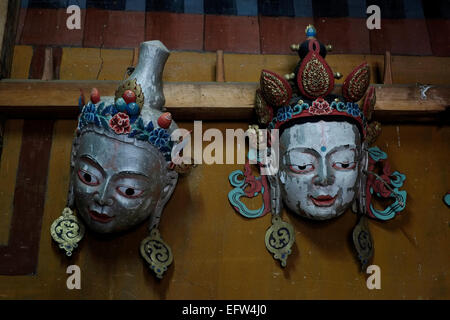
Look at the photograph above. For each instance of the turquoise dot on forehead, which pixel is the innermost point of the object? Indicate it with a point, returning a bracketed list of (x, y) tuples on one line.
[(323, 148)]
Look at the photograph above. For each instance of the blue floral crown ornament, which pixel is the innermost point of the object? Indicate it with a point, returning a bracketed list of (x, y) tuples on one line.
[(124, 118), (319, 107)]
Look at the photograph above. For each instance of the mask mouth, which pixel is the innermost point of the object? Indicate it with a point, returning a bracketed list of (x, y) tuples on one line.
[(323, 201), (100, 217)]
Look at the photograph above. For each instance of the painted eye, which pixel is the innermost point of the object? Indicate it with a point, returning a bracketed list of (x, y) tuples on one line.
[(129, 192), (344, 165), (88, 178), (302, 169)]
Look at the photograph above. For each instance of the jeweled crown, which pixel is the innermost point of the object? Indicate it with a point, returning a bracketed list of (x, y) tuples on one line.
[(136, 109), (307, 93)]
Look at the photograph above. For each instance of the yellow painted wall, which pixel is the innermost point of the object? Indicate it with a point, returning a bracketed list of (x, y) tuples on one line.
[(221, 255)]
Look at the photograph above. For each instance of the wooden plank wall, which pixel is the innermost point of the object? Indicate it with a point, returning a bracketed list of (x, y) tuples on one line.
[(109, 64), (415, 27), (218, 254)]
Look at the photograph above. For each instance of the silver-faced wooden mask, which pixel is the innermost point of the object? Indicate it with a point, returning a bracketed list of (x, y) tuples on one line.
[(121, 172), (320, 166), (322, 144)]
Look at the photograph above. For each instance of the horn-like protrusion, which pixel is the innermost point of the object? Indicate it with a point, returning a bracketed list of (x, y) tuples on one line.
[(275, 89), (369, 103), (146, 79), (314, 78), (356, 83), (263, 112), (295, 47)]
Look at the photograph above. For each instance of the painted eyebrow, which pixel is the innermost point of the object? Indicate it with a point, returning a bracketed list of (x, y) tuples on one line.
[(310, 151), (304, 150), (133, 173), (339, 148), (93, 162)]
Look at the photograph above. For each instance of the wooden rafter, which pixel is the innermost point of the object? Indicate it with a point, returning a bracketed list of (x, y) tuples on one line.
[(204, 100)]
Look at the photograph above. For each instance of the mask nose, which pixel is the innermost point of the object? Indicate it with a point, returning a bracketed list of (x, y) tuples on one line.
[(102, 197), (324, 175)]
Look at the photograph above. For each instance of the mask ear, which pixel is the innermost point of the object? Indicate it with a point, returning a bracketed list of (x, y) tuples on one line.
[(171, 179), (70, 193), (360, 200), (275, 193)]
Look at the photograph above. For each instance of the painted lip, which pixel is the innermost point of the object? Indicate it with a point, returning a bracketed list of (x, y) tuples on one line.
[(100, 217), (323, 201)]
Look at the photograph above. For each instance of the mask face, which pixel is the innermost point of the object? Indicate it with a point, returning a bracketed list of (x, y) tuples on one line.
[(319, 168), (116, 184)]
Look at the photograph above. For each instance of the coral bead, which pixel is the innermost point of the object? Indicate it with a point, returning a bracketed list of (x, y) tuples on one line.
[(95, 95), (121, 105), (129, 96), (165, 120), (132, 109)]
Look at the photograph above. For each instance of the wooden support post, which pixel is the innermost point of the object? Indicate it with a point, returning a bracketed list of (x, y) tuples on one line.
[(134, 63), (387, 79), (135, 57), (220, 68), (47, 73), (9, 19)]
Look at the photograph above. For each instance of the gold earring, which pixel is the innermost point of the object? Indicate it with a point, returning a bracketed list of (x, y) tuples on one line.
[(279, 239), (362, 240), (156, 252), (67, 230)]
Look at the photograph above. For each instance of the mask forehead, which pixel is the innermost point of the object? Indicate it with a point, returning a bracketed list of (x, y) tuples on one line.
[(116, 156), (322, 136)]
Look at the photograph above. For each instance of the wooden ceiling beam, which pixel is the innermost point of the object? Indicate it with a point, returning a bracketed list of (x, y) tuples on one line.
[(205, 100)]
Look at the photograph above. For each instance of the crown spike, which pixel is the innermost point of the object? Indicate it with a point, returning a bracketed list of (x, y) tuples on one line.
[(310, 31)]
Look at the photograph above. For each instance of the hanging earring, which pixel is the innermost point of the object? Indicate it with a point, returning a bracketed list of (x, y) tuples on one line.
[(279, 239), (153, 249), (280, 236), (67, 230), (362, 240), (156, 252)]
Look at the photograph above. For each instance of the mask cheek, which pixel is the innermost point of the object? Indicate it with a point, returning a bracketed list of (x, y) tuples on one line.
[(347, 197), (346, 181), (84, 197), (296, 190), (81, 189), (133, 211)]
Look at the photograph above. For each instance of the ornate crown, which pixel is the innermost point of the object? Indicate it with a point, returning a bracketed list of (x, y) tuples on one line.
[(123, 118), (136, 109), (306, 94)]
